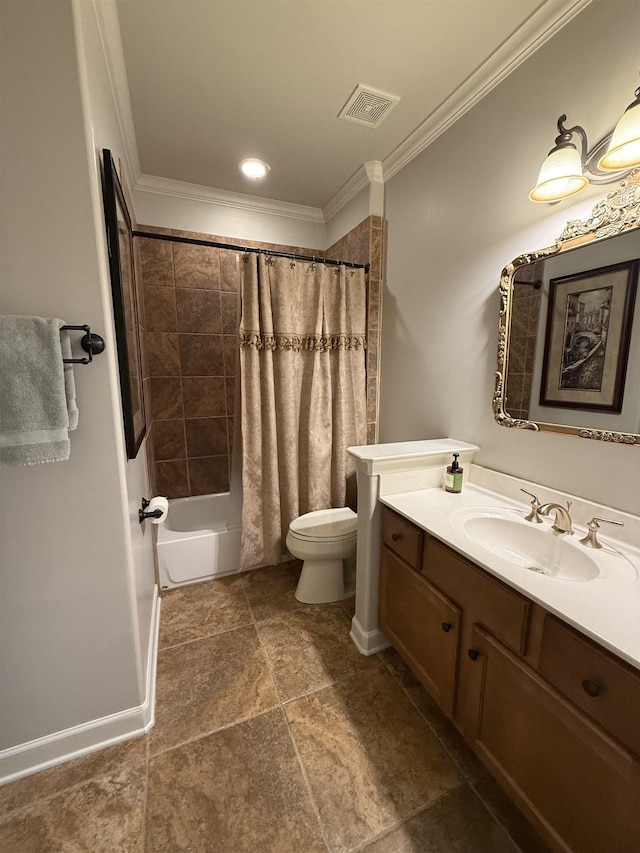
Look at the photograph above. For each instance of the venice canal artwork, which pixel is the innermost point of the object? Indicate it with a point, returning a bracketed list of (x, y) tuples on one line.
[(585, 339)]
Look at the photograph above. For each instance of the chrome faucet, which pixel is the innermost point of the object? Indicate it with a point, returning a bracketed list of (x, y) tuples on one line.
[(562, 521)]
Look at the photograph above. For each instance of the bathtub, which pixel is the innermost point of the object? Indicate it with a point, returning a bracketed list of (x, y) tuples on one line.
[(199, 540)]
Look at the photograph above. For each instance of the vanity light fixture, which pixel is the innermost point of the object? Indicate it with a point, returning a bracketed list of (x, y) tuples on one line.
[(567, 171), (253, 168), (624, 148)]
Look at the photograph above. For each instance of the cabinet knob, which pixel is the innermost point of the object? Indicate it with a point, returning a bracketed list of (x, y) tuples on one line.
[(473, 654), (396, 536), (592, 688), (446, 627)]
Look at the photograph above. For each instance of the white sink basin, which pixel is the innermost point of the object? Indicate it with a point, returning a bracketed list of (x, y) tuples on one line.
[(534, 547)]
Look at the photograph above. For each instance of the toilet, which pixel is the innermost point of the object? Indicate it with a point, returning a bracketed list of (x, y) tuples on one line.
[(324, 539)]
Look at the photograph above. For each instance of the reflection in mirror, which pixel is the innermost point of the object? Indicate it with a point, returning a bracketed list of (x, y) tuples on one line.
[(569, 346)]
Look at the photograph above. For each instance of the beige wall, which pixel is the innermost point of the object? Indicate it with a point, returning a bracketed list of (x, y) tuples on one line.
[(457, 214), (73, 603)]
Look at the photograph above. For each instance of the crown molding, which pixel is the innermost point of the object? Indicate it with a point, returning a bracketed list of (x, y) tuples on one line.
[(539, 28), (106, 15), (226, 198), (354, 185)]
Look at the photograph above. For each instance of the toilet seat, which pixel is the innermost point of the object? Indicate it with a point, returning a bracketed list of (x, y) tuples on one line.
[(325, 525)]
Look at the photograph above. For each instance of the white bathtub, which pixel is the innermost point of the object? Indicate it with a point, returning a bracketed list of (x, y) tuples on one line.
[(199, 540)]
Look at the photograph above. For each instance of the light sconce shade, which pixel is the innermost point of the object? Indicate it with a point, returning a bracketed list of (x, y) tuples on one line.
[(624, 148), (561, 173), (560, 177), (253, 168)]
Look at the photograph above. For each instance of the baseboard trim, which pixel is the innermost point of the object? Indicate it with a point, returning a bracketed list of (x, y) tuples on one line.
[(367, 642), (45, 752)]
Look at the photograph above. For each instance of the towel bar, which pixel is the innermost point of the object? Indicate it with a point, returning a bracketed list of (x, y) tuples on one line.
[(90, 343)]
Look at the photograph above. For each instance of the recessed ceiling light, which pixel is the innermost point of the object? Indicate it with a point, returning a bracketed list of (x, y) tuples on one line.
[(253, 168)]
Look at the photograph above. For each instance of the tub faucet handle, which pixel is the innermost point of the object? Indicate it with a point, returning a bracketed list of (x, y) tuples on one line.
[(535, 506)]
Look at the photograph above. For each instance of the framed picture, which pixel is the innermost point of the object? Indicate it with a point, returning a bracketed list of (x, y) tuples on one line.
[(125, 306), (587, 338)]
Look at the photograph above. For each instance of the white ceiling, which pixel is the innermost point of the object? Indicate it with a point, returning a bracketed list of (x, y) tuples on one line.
[(214, 81)]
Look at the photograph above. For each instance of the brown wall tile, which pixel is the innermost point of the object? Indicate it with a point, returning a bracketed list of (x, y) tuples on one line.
[(171, 479), (165, 397), (209, 475), (160, 309), (376, 253), (156, 260), (199, 311), (229, 275), (230, 394), (230, 352), (204, 396), (162, 354), (201, 355), (168, 440), (207, 436), (196, 266), (230, 319)]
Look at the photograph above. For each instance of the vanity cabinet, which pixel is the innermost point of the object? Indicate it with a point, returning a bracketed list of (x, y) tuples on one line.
[(550, 713), (423, 624)]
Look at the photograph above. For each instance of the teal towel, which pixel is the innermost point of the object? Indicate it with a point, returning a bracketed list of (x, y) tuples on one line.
[(37, 391)]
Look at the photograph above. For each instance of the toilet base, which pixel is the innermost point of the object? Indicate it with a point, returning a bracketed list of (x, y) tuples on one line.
[(322, 581)]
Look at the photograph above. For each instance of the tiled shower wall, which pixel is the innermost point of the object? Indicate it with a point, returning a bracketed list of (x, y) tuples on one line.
[(190, 329), (189, 325), (364, 244)]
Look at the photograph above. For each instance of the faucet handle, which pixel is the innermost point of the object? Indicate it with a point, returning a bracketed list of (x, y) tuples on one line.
[(591, 539), (535, 506)]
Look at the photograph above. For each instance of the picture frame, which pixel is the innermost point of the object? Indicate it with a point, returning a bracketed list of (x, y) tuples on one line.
[(587, 338), (125, 305)]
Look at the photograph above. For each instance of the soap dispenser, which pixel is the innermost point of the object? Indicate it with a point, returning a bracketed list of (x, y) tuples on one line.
[(453, 478)]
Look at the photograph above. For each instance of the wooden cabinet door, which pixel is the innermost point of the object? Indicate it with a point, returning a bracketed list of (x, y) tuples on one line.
[(422, 624), (573, 781)]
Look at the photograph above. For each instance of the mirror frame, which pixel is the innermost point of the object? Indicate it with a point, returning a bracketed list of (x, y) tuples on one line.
[(124, 294), (616, 214)]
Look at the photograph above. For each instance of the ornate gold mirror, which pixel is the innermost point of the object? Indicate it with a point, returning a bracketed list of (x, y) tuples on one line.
[(569, 337)]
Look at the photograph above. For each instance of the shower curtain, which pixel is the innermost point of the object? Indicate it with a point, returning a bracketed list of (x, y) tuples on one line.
[(303, 393)]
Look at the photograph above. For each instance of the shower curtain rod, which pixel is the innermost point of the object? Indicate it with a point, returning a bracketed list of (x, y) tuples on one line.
[(239, 248)]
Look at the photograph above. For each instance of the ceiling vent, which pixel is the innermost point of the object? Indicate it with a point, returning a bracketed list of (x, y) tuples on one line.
[(368, 107)]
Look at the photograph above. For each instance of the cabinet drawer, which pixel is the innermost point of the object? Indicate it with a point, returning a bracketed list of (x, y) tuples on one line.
[(607, 689), (403, 537), (499, 608)]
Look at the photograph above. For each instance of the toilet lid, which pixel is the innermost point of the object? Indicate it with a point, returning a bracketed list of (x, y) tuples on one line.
[(338, 523)]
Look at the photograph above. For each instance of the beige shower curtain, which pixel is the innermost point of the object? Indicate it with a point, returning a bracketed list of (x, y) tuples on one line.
[(303, 393)]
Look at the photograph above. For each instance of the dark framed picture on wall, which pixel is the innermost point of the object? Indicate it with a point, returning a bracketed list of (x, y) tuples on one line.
[(588, 333), (125, 306)]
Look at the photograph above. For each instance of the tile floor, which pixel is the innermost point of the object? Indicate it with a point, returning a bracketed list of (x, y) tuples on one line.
[(274, 735)]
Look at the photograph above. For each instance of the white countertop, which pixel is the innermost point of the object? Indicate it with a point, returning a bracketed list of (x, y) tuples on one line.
[(606, 608)]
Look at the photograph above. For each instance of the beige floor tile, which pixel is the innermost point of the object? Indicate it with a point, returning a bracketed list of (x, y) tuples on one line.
[(240, 789), (370, 758), (101, 816), (30, 789), (470, 766), (203, 609), (468, 763), (457, 823), (311, 648), (271, 590), (210, 683)]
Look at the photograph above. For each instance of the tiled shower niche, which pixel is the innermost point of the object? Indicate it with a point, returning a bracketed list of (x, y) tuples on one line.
[(189, 324)]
